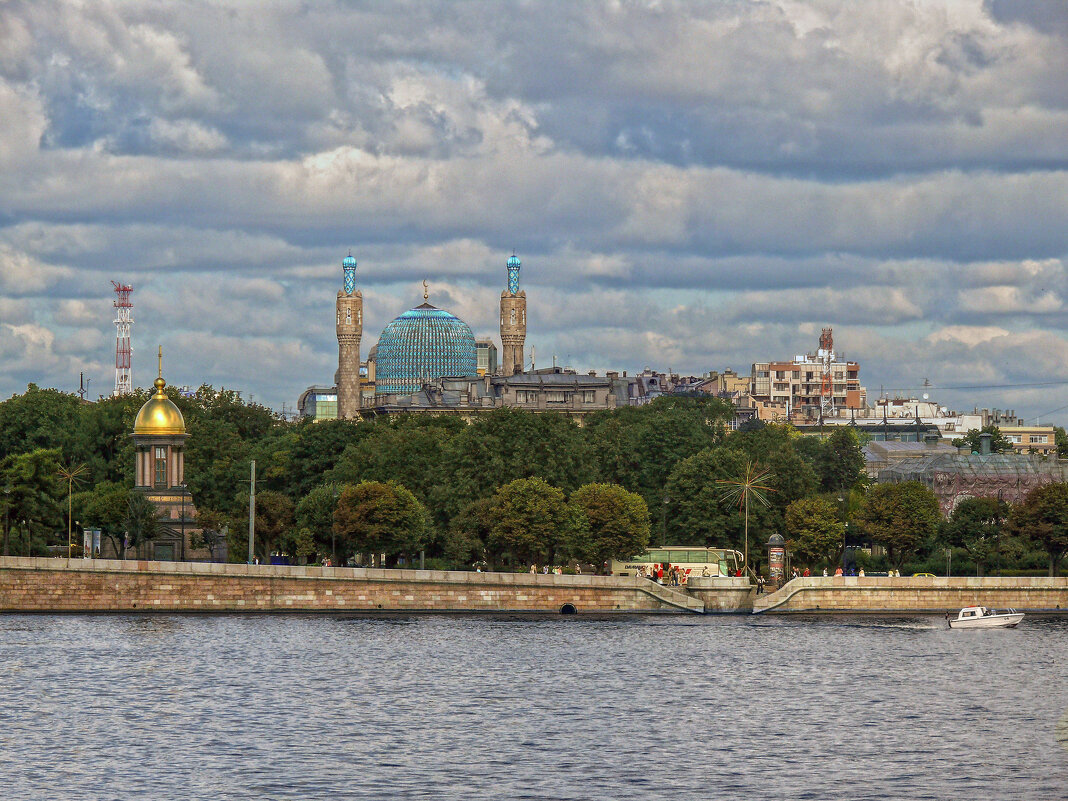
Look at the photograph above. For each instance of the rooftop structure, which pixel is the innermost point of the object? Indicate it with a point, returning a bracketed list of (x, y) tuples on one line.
[(952, 477), (811, 385)]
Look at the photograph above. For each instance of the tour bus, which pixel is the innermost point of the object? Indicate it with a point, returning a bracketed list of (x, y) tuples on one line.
[(690, 560)]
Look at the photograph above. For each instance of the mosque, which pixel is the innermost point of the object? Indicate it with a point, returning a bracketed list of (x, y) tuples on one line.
[(429, 361), (420, 346)]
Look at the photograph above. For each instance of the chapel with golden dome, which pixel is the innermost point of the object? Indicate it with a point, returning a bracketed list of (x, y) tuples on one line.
[(159, 437)]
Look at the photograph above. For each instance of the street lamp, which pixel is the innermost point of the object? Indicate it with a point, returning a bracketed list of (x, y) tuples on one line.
[(333, 534), (7, 516), (182, 519)]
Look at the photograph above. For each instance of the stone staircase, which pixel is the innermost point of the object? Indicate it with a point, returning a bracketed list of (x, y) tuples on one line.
[(672, 596), (765, 602)]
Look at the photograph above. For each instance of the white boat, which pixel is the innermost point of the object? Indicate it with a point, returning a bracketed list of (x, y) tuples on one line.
[(979, 617)]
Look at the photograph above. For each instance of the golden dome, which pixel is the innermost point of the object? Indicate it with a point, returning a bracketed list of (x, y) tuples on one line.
[(159, 415)]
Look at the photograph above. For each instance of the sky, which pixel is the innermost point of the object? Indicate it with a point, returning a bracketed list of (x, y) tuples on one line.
[(691, 186)]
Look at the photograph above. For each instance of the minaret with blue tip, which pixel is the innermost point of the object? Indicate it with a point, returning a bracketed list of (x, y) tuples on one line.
[(513, 321), (349, 333)]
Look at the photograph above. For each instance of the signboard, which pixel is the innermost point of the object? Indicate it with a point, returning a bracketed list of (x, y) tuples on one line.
[(776, 560), (90, 542)]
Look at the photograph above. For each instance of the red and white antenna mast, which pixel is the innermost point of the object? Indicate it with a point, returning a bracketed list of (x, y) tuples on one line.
[(826, 356), (123, 320)]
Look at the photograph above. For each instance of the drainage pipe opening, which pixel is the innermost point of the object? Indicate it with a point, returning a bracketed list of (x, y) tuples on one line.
[(568, 609)]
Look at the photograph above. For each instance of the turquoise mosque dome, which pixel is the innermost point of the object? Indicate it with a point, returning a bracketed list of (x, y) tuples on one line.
[(422, 344)]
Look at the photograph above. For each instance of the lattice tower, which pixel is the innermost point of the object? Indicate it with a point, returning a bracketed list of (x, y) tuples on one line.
[(123, 352), (826, 354)]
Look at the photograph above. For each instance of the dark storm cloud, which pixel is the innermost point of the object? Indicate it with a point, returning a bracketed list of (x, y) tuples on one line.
[(690, 184)]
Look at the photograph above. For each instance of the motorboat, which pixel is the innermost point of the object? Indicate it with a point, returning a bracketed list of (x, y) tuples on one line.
[(979, 617)]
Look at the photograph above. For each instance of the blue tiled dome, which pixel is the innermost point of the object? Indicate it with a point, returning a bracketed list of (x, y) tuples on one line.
[(423, 343)]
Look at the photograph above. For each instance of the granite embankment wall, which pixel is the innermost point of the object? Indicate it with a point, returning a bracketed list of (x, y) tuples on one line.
[(100, 585), (884, 594)]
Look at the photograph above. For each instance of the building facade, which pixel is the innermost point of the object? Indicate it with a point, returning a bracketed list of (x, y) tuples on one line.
[(812, 385)]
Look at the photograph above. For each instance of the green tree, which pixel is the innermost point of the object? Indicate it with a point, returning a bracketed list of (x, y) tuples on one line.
[(816, 533), (380, 517), (1061, 438), (142, 523), (1041, 518), (616, 522), (408, 449), (315, 512), (840, 463), (900, 517), (37, 494), (40, 419), (531, 520), (316, 450), (506, 444), (274, 522), (975, 525), (638, 447), (469, 531), (305, 545), (694, 509), (104, 507), (998, 442), (212, 529)]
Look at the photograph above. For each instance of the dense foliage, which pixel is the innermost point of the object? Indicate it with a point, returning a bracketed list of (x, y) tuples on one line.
[(507, 489)]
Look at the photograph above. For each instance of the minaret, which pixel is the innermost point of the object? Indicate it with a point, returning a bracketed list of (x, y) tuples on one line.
[(349, 331), (513, 321)]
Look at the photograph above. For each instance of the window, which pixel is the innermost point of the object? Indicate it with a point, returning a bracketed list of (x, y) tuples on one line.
[(1015, 438), (512, 317), (161, 467), (526, 396), (589, 396), (1039, 439), (557, 396), (348, 316)]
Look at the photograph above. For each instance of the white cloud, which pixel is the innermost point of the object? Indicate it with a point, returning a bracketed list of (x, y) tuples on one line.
[(689, 185)]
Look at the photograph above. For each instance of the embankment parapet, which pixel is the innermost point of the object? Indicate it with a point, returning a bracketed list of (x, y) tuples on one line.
[(915, 594), (76, 585)]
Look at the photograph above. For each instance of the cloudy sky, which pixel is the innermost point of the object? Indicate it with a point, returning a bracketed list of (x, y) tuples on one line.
[(693, 186)]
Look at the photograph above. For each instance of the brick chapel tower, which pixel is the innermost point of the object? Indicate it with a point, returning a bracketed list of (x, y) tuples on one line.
[(349, 332), (513, 321)]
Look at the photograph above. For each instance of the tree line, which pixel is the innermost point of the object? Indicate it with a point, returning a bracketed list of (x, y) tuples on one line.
[(509, 487)]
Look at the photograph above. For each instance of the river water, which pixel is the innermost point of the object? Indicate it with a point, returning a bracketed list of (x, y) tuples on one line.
[(464, 707)]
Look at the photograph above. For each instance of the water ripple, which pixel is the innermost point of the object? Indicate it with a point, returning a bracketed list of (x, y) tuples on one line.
[(442, 707)]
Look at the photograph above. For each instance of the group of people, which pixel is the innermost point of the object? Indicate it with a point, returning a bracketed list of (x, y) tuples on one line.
[(555, 570), (673, 574)]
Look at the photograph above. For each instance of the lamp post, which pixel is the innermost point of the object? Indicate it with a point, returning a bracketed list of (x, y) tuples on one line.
[(182, 550), (333, 534), (7, 516), (663, 521), (26, 533)]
